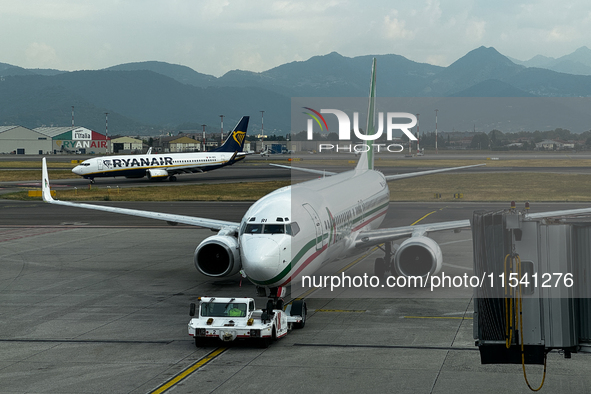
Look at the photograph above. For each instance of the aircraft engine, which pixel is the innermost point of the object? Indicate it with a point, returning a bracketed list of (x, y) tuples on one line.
[(418, 256), (218, 256), (156, 173)]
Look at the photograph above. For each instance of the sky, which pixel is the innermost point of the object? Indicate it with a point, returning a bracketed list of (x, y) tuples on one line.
[(216, 36)]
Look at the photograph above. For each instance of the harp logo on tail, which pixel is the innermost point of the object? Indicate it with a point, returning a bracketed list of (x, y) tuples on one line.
[(239, 136)]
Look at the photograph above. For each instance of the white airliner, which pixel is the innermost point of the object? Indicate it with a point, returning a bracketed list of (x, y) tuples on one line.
[(296, 229), (162, 166)]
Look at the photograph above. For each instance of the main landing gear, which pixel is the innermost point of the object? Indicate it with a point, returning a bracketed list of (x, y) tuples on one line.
[(385, 264)]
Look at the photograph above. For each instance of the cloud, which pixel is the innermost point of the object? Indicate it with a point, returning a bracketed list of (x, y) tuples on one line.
[(561, 34), (475, 30), (395, 28), (214, 36), (41, 54)]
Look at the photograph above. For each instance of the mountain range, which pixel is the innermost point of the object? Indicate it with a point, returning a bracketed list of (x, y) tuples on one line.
[(147, 97)]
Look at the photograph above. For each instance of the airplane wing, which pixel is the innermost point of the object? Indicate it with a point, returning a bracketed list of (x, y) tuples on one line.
[(388, 177), (171, 218), (429, 172), (378, 236), (319, 172)]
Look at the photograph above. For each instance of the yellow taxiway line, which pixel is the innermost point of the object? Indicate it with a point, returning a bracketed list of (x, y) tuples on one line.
[(195, 366)]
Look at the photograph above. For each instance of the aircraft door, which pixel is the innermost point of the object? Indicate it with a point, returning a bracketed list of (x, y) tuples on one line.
[(317, 225), (100, 164)]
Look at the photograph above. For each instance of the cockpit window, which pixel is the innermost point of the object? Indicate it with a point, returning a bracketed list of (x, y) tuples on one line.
[(293, 229), (254, 228), (270, 228), (274, 229)]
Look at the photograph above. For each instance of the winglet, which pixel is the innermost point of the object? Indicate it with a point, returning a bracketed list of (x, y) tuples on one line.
[(46, 191)]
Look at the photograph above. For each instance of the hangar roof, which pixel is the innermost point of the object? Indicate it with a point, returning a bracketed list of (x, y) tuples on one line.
[(54, 131), (6, 128), (58, 131)]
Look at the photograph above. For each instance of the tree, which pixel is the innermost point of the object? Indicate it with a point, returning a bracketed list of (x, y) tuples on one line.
[(496, 138), (479, 141)]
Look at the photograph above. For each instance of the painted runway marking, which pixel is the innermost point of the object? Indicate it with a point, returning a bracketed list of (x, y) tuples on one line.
[(194, 367)]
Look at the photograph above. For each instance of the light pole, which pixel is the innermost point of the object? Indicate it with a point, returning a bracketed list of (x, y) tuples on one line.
[(262, 132), (107, 130), (222, 128), (418, 135), (203, 137), (436, 151)]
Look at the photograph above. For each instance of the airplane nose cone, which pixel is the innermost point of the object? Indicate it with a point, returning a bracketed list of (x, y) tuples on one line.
[(77, 170), (260, 257)]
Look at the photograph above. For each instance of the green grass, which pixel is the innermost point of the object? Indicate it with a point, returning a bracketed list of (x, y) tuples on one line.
[(33, 175), (35, 164), (518, 186), (244, 191)]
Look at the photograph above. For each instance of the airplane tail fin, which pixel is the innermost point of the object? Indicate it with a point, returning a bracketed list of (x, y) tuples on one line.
[(235, 140), (367, 158), (45, 189)]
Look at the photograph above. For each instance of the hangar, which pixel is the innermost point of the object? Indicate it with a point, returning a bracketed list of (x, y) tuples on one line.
[(127, 145), (23, 141), (75, 140)]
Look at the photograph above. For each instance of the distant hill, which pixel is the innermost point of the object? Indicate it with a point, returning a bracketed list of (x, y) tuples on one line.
[(578, 62), (145, 97), (9, 70), (492, 88), (475, 67), (137, 101), (333, 75), (182, 74)]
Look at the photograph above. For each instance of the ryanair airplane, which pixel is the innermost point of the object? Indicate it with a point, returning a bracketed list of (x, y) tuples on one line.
[(162, 166)]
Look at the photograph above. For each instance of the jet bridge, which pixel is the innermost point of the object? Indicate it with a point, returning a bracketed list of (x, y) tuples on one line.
[(535, 295)]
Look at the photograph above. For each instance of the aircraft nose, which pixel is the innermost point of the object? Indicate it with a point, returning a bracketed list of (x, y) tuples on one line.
[(77, 170), (261, 257)]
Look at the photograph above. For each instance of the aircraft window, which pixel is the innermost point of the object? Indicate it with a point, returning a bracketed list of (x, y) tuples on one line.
[(274, 229), (292, 229), (254, 229)]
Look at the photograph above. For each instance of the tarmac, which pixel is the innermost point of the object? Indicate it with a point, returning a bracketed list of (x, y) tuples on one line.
[(95, 302)]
